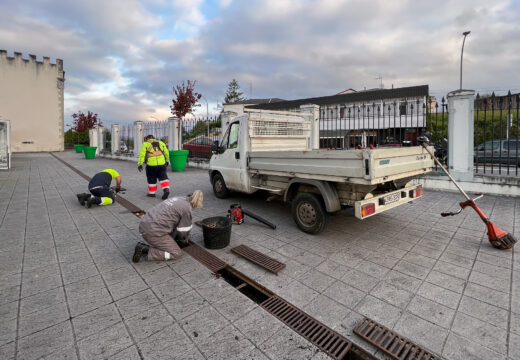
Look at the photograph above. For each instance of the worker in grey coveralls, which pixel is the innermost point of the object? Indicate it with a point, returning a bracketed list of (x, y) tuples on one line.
[(164, 224)]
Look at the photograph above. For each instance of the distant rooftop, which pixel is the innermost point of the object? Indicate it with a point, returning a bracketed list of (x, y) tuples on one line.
[(361, 96), (256, 101)]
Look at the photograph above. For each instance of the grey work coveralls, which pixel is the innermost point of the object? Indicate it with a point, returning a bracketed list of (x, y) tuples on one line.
[(162, 223)]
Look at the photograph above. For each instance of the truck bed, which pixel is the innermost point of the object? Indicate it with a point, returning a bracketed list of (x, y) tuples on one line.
[(365, 166)]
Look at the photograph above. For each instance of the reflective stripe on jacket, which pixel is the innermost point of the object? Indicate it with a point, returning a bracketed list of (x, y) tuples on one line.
[(153, 155)]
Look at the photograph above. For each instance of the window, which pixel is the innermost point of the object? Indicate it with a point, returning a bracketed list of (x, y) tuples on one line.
[(206, 141), (402, 108), (512, 145), (196, 141), (233, 136), (489, 145)]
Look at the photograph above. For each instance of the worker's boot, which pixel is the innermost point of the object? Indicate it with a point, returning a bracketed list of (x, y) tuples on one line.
[(166, 193), (82, 198), (91, 200), (150, 195), (141, 249)]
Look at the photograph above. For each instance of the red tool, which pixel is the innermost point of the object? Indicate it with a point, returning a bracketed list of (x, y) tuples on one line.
[(497, 237), (237, 214)]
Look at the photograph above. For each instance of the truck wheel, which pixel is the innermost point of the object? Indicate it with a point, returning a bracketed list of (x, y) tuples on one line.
[(309, 213), (219, 187)]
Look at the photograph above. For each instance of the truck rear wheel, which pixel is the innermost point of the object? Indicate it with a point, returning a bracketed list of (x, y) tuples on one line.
[(219, 187), (309, 213)]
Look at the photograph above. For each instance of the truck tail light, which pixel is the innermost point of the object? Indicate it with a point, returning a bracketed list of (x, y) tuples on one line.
[(416, 193), (368, 209)]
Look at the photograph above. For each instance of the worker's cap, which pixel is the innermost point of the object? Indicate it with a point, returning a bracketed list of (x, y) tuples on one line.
[(196, 199), (148, 137)]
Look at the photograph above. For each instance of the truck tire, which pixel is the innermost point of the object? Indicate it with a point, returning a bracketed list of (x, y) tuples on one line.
[(219, 187), (309, 213)]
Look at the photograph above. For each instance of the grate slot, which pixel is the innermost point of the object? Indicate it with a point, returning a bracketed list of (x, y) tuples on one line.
[(209, 260), (391, 343), (258, 258)]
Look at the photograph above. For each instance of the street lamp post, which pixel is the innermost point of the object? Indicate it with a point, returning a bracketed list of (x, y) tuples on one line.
[(207, 112), (465, 33)]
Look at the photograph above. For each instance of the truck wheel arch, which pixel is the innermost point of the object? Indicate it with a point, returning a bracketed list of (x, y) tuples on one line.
[(326, 190)]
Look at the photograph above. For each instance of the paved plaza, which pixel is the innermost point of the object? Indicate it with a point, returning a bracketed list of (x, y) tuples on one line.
[(68, 288)]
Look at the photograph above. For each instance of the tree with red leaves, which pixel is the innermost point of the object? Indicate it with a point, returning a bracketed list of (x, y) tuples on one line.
[(185, 99), (84, 122)]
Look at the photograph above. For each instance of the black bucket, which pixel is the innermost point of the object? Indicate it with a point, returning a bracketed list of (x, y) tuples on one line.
[(216, 231)]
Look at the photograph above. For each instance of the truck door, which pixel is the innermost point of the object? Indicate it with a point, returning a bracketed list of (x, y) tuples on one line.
[(228, 161)]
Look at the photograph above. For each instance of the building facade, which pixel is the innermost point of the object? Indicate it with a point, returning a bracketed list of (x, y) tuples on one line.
[(377, 117), (31, 97)]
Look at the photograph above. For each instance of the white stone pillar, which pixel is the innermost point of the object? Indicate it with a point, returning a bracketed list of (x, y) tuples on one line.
[(314, 110), (115, 139), (174, 133), (460, 134), (93, 137), (101, 142), (138, 137)]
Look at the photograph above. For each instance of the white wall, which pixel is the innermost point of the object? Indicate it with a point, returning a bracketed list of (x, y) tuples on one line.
[(31, 96)]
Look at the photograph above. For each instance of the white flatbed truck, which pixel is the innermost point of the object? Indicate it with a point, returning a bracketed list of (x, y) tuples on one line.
[(271, 150)]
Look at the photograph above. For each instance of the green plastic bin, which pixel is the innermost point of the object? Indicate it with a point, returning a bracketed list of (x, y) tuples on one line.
[(178, 159), (79, 147), (90, 152)]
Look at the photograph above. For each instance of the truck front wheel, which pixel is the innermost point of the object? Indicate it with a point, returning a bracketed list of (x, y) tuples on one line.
[(309, 213), (219, 187)]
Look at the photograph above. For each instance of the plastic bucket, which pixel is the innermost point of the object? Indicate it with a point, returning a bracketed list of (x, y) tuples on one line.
[(79, 147), (178, 159), (216, 232), (90, 152)]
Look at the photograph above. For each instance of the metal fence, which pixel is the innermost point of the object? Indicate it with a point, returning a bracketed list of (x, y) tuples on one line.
[(497, 140), (127, 139), (159, 129), (199, 134), (392, 124)]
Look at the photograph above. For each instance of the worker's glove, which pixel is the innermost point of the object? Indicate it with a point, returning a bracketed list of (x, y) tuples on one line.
[(140, 168), (182, 239), (118, 189), (167, 163)]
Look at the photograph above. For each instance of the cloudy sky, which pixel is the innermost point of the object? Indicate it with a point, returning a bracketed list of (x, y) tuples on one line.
[(122, 57)]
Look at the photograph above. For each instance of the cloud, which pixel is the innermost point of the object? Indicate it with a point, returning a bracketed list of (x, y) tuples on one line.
[(123, 57)]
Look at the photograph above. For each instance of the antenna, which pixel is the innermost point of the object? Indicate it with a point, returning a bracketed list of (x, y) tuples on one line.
[(380, 78)]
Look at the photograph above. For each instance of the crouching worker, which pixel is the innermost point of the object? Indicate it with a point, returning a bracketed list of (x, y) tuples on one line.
[(99, 187), (165, 224)]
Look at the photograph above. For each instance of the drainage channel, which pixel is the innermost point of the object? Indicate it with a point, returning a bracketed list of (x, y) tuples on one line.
[(323, 337), (329, 341)]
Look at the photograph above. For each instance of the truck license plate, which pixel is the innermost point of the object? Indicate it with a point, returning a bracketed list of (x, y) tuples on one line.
[(388, 199)]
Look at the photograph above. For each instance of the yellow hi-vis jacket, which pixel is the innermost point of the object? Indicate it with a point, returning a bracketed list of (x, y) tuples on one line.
[(154, 152)]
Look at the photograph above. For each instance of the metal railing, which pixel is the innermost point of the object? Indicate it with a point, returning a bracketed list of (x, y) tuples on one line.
[(382, 124), (159, 129), (127, 139), (199, 134), (497, 138)]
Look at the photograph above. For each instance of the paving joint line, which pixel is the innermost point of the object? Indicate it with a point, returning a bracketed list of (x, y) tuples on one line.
[(23, 261), (101, 276), (74, 336)]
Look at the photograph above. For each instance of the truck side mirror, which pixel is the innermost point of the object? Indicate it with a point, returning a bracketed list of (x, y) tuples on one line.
[(215, 148)]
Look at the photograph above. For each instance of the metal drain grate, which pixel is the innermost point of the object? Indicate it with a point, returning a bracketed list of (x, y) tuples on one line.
[(209, 260), (83, 175), (329, 341), (258, 258), (391, 343)]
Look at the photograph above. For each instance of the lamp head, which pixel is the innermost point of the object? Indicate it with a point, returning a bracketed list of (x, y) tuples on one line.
[(466, 33)]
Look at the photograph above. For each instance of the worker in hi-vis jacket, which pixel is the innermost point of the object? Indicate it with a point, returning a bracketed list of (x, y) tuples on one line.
[(155, 155), (164, 224), (99, 187)]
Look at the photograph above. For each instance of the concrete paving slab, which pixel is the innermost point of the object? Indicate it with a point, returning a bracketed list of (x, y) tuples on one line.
[(404, 268)]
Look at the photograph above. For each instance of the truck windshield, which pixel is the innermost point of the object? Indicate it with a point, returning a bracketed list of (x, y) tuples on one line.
[(233, 136)]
